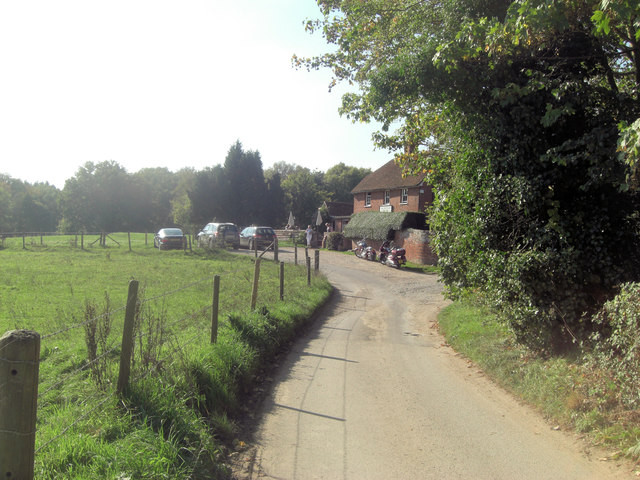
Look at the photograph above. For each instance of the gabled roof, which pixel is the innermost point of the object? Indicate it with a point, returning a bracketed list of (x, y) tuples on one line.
[(339, 209), (387, 177)]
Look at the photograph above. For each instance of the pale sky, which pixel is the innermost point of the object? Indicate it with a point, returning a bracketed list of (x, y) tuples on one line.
[(158, 83)]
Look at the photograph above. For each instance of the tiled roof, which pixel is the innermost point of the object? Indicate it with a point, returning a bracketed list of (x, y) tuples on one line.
[(387, 177)]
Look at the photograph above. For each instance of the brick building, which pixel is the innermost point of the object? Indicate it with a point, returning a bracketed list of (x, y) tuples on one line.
[(387, 190)]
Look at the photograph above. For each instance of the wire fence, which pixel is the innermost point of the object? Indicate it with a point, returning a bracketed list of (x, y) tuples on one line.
[(80, 240), (45, 375)]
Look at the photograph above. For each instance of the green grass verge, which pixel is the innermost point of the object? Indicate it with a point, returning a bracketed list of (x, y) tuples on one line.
[(565, 389), (177, 416)]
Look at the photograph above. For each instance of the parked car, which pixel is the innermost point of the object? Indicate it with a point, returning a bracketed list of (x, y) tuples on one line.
[(217, 234), (263, 237), (169, 238)]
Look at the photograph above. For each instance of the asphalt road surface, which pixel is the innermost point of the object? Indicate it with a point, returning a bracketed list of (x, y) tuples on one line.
[(373, 392)]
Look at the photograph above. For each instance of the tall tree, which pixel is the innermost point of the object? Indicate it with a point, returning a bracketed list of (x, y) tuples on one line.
[(155, 189), (513, 111), (98, 198), (303, 195), (275, 213), (340, 179), (27, 207), (247, 189), (208, 196)]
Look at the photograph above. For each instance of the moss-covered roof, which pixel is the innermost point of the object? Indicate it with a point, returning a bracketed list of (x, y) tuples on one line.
[(381, 225)]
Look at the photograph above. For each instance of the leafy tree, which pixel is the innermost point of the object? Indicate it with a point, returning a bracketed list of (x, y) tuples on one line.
[(340, 179), (303, 195), (247, 189), (208, 196), (26, 207), (275, 213), (6, 222), (155, 189), (181, 208), (283, 169), (513, 110), (98, 198)]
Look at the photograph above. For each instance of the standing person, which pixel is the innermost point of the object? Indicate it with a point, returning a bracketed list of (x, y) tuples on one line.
[(326, 234), (309, 233)]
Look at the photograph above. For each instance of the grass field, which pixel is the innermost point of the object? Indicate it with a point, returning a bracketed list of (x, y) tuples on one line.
[(176, 417)]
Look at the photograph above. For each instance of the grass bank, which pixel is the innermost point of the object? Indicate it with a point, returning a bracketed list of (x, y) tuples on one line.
[(176, 418), (567, 389)]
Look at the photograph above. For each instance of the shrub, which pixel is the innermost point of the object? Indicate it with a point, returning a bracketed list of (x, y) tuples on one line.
[(335, 240), (617, 345)]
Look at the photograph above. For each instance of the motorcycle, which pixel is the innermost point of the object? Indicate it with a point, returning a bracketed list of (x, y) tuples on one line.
[(363, 250), (392, 256)]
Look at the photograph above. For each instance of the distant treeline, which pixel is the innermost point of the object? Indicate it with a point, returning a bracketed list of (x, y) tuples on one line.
[(105, 197)]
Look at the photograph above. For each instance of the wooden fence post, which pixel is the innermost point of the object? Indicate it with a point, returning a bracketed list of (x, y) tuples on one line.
[(316, 260), (295, 253), (129, 238), (81, 240), (256, 278), (145, 239), (20, 356), (281, 280), (255, 249), (127, 337), (308, 270), (275, 250), (214, 308), (24, 242)]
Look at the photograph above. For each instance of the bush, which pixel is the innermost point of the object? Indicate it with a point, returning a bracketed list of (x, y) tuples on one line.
[(617, 345), (335, 241)]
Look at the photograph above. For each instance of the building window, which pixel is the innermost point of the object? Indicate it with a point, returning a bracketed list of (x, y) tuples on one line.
[(404, 197), (387, 197), (367, 199)]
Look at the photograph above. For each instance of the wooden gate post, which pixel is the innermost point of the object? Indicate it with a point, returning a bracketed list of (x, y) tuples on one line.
[(256, 278), (281, 280), (127, 337), (214, 308), (19, 364)]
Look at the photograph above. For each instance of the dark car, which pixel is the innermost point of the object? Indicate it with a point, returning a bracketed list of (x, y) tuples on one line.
[(219, 234), (169, 238), (263, 237)]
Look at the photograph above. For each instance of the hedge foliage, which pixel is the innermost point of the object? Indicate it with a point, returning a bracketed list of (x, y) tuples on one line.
[(335, 241), (617, 345)]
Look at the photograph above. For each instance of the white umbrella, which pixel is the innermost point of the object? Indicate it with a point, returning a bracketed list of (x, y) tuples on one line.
[(291, 222), (319, 218)]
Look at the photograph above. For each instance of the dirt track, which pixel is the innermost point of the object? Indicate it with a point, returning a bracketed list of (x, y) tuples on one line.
[(373, 392)]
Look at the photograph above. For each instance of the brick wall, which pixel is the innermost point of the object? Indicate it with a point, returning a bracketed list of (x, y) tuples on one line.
[(415, 242)]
